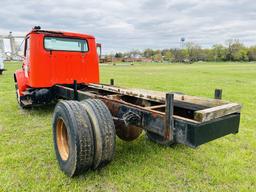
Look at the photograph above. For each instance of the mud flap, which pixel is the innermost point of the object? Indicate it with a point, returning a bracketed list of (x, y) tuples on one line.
[(20, 79)]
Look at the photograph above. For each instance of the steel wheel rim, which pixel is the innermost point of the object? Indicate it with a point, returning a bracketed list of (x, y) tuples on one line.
[(62, 139)]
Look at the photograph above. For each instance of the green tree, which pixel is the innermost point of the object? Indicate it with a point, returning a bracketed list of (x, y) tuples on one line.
[(194, 51), (157, 57), (179, 55), (252, 53), (148, 53), (168, 56), (119, 55), (219, 52), (236, 51)]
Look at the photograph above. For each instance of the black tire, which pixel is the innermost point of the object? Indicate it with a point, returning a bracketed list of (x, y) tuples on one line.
[(21, 104), (158, 139), (73, 140), (18, 98), (104, 131)]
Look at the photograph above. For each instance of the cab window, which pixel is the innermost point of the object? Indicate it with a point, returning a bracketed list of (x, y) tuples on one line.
[(27, 47), (65, 44)]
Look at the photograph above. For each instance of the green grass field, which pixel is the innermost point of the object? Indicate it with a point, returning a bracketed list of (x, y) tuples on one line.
[(27, 159)]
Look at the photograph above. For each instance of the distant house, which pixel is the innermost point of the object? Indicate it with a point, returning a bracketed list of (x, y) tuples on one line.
[(146, 60), (132, 58), (105, 59), (116, 60), (157, 59), (128, 59)]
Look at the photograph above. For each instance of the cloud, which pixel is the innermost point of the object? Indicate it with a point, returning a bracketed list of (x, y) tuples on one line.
[(127, 25)]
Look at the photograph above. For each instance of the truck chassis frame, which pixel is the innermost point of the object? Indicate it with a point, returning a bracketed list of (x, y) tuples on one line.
[(169, 117)]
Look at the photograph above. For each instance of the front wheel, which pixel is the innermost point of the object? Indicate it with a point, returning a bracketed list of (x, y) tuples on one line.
[(21, 104)]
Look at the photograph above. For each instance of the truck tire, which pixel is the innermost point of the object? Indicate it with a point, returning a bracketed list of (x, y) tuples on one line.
[(21, 104), (104, 131), (18, 98), (73, 138), (158, 139)]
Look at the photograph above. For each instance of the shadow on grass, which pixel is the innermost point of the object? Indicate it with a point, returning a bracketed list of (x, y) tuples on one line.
[(133, 156), (39, 110), (129, 157)]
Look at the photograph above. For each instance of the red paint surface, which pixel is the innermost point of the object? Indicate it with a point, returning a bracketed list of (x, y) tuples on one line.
[(21, 81), (46, 69)]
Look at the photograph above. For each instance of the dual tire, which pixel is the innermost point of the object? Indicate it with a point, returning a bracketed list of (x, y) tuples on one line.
[(84, 135)]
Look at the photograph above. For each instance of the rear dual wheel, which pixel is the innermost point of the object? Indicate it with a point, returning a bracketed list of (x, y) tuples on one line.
[(103, 129), (84, 135), (73, 138)]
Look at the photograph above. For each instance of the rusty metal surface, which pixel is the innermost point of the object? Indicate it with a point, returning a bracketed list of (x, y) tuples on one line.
[(185, 106), (160, 96), (127, 133), (134, 111), (150, 120), (195, 104), (169, 125)]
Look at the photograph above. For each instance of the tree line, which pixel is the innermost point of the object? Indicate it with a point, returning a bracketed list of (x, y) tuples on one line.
[(232, 50)]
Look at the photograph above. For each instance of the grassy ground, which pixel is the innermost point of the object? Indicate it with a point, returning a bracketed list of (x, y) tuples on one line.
[(27, 160)]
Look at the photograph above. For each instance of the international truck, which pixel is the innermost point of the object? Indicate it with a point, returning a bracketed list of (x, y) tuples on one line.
[(63, 68)]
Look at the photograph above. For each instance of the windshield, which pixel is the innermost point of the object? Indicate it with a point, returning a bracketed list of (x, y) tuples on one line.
[(65, 44)]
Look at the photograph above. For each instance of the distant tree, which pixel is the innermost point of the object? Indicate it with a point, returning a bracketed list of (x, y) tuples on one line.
[(168, 56), (207, 55), (194, 51), (233, 50), (119, 55), (236, 51), (243, 54), (134, 53), (148, 53), (252, 53), (179, 55), (219, 52), (157, 57), (164, 51)]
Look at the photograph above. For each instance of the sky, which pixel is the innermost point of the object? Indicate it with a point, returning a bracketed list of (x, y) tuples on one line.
[(126, 25)]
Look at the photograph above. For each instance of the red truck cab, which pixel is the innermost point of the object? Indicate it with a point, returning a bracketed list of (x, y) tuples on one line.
[(53, 57)]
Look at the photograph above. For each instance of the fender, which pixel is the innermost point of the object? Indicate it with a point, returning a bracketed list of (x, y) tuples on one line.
[(21, 80)]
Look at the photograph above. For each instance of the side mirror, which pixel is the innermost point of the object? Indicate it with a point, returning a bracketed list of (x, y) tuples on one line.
[(98, 45)]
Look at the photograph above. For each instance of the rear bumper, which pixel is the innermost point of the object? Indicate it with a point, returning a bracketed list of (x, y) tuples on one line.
[(194, 135)]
